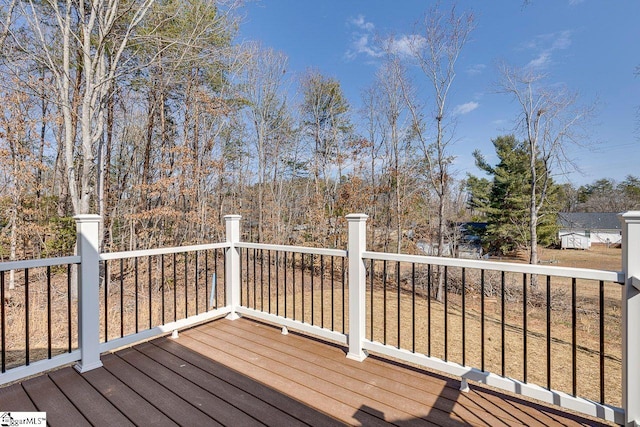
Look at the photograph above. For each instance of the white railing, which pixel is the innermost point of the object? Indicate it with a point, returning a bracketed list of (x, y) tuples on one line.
[(90, 345)]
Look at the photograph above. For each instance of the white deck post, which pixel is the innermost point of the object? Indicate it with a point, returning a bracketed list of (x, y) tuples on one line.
[(631, 317), (232, 271), (357, 285), (88, 292)]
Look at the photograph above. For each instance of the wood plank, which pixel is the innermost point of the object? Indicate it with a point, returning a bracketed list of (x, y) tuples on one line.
[(437, 394), (367, 385), (266, 394), (93, 406), (171, 404), (130, 403), (229, 392), (283, 384), (419, 385), (47, 397), (503, 405), (197, 396), (14, 398), (322, 380)]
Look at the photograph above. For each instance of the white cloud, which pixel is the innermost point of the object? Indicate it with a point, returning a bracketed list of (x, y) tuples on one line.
[(362, 45), (361, 36), (465, 108), (476, 69), (361, 23), (541, 61), (545, 45), (362, 40), (404, 44)]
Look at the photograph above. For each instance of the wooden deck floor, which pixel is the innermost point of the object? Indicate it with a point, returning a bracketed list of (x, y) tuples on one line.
[(246, 373)]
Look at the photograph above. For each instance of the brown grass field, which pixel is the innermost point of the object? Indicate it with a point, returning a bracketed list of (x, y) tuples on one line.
[(427, 324)]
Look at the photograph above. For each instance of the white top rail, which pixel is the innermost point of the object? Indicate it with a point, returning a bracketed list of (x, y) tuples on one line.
[(35, 263), (578, 273), (160, 251), (285, 248)]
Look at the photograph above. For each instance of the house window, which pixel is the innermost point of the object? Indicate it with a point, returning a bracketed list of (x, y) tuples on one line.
[(587, 233)]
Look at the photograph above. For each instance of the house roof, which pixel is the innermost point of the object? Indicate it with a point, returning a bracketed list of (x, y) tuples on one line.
[(590, 220)]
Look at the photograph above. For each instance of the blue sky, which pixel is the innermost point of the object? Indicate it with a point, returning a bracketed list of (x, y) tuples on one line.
[(591, 46)]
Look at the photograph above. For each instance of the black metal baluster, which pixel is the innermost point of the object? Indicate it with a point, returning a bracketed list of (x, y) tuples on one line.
[(186, 279), (69, 331), (214, 285), (413, 307), (206, 280), (150, 285), (277, 283), (524, 326), (464, 317), (224, 288), (344, 272), (121, 297), (3, 324), (135, 269), (574, 357), (429, 310), (247, 302), (106, 303), (26, 314), (332, 292), (302, 282), (371, 275), (255, 281), (175, 287), (261, 280), (163, 284), (269, 281), (196, 274), (446, 317), (313, 273), (384, 302), (293, 284), (284, 267), (398, 286), (502, 314), (602, 341), (49, 310), (482, 351), (548, 332), (322, 291)]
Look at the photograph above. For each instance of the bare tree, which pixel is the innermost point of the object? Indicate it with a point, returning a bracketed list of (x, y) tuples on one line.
[(7, 15), (84, 31), (439, 41), (264, 91), (549, 120)]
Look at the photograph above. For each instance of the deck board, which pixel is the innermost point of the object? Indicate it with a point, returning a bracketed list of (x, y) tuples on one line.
[(47, 397), (130, 403), (438, 398), (247, 373), (241, 400), (95, 408)]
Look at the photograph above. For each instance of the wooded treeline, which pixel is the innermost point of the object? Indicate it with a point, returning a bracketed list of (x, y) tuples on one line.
[(151, 114)]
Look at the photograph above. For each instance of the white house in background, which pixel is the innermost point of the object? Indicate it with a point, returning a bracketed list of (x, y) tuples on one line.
[(578, 230)]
